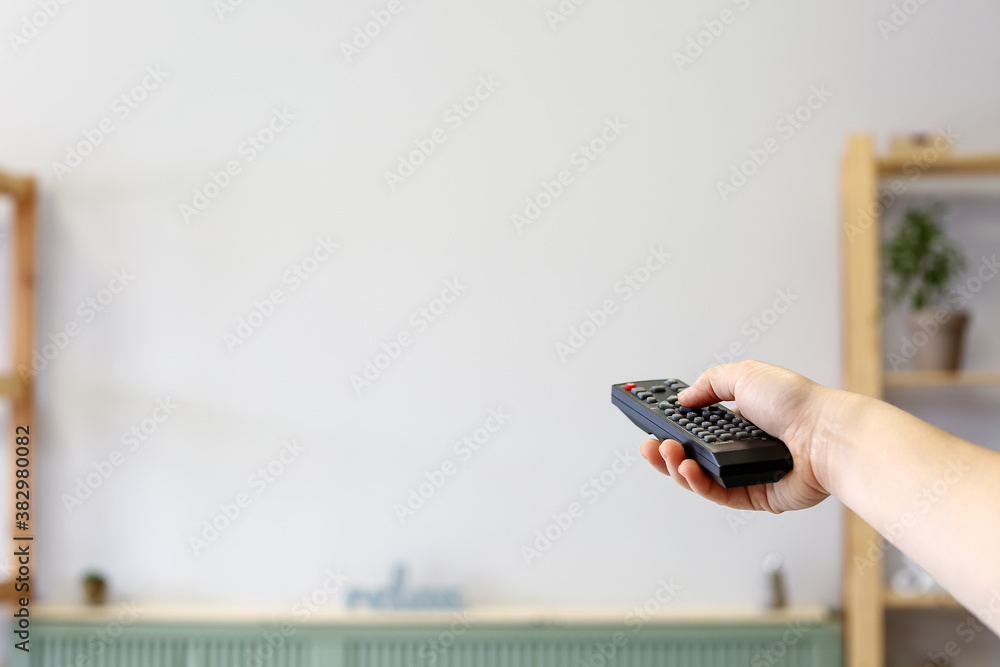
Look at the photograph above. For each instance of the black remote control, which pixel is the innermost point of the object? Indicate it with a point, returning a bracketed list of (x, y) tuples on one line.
[(728, 447)]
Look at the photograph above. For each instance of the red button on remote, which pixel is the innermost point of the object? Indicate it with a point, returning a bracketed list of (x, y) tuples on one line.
[(630, 386)]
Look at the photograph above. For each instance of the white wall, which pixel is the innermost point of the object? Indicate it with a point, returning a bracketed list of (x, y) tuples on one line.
[(495, 346)]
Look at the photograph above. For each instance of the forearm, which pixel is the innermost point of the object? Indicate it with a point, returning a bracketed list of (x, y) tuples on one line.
[(933, 495)]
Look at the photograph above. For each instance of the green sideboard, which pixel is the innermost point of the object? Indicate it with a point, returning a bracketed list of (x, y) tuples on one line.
[(88, 639)]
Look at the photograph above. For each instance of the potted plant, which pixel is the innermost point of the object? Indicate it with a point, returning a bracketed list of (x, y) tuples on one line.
[(921, 264), (94, 588)]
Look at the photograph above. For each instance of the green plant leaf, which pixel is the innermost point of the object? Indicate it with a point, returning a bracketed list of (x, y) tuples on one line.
[(921, 261)]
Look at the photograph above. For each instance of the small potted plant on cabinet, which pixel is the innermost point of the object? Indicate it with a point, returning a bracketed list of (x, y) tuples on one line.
[(921, 264), (94, 588)]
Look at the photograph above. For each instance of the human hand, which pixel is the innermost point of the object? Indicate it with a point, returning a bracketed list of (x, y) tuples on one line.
[(784, 404)]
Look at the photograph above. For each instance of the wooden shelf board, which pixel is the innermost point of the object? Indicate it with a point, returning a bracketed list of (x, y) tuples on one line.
[(984, 164), (940, 379), (494, 615), (894, 600)]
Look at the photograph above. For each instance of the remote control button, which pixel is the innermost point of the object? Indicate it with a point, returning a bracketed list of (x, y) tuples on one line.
[(741, 435), (683, 422), (675, 417), (650, 400), (663, 405), (710, 438), (629, 386), (657, 389), (642, 394), (757, 433), (726, 436), (686, 409)]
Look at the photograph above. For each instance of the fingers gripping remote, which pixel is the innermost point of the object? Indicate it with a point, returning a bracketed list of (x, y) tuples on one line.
[(731, 449)]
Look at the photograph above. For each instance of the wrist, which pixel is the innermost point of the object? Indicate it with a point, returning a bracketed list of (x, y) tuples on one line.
[(835, 417)]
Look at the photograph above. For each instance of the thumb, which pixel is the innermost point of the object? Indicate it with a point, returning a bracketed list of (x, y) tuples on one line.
[(714, 385)]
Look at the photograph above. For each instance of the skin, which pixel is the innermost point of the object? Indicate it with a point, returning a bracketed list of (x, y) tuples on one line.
[(933, 495)]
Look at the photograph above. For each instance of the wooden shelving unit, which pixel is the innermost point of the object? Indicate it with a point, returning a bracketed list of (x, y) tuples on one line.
[(865, 597), (17, 386)]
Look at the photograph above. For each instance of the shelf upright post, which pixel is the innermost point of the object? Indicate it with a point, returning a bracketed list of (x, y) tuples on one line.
[(864, 618), (18, 386)]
